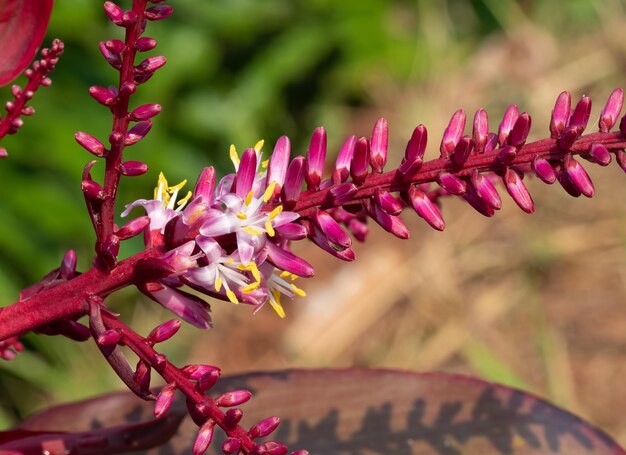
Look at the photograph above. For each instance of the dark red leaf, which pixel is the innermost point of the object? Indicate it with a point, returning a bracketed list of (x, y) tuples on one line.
[(23, 25), (350, 412)]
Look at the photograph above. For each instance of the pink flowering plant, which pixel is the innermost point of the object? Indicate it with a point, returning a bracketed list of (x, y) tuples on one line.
[(230, 238)]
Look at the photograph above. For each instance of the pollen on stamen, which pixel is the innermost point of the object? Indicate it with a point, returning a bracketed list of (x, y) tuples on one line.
[(258, 146), (269, 191), (249, 197), (252, 231), (218, 284), (251, 287), (275, 303), (270, 229), (232, 297), (234, 157)]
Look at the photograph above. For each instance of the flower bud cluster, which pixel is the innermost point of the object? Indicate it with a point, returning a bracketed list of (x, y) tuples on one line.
[(231, 239), (129, 126), (37, 76)]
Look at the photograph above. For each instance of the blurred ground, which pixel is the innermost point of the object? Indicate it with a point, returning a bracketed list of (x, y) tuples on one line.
[(537, 301)]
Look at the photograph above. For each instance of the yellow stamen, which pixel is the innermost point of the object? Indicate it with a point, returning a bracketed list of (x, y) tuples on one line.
[(270, 229), (234, 157), (252, 231), (178, 187), (232, 297), (274, 213), (275, 302), (265, 163), (298, 291), (241, 215), (258, 146), (162, 187), (218, 284), (251, 287), (229, 261), (289, 275), (269, 191), (249, 197), (185, 199)]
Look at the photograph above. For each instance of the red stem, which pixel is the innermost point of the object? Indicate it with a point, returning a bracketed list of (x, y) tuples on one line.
[(546, 148), (68, 299), (120, 126), (171, 374)]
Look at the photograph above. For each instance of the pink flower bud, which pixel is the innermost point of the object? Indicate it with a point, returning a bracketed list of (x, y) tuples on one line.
[(142, 375), (451, 183), (164, 400), (28, 110), (334, 233), (3, 153), (316, 158), (102, 95), (204, 438), (234, 398), (246, 173), (341, 194), (68, 265), (518, 191), (344, 159), (92, 190), (116, 46), (462, 150), (544, 170), (599, 154), (145, 44), (129, 18), (507, 123), (138, 132), (492, 142), (452, 133), (145, 111), (379, 145), (507, 154), (520, 130), (390, 223), (114, 12), (279, 162), (620, 157), (477, 202), (286, 260), (481, 130), (151, 64), (387, 202), (231, 445), (568, 137), (560, 114), (109, 338), (272, 448), (360, 161), (232, 417), (205, 184), (611, 110), (581, 114), (264, 427), (164, 331), (195, 372), (293, 180), (485, 189), (133, 227), (133, 168), (156, 13), (112, 58), (426, 208), (208, 380), (90, 143), (579, 177), (414, 152)]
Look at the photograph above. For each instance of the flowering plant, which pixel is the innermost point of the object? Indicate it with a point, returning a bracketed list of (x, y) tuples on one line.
[(231, 238)]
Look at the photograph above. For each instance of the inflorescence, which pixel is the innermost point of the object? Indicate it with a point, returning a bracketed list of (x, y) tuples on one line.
[(231, 238)]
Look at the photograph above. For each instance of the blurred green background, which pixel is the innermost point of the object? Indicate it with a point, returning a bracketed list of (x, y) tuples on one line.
[(242, 70)]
